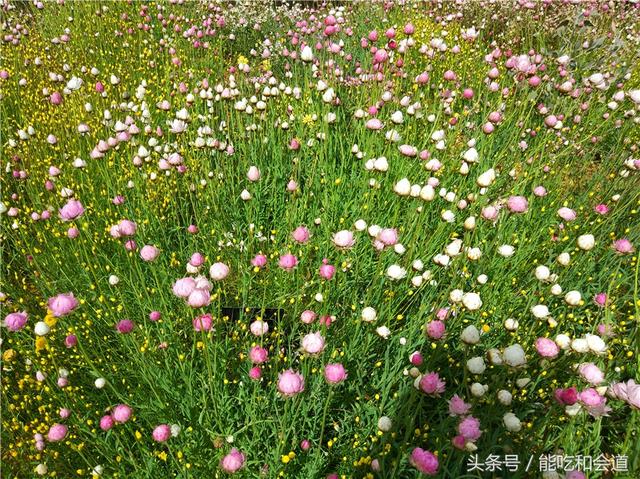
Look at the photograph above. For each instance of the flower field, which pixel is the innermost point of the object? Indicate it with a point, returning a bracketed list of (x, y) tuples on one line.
[(352, 240)]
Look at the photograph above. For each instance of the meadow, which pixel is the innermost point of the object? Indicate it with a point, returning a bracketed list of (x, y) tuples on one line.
[(312, 240)]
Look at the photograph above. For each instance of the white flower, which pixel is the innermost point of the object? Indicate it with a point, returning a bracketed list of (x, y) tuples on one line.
[(41, 469), (595, 343), (449, 216), (556, 290), (417, 264), (383, 332), (470, 223), (368, 314), (318, 297), (416, 281), (175, 430), (472, 301), (307, 54), (506, 250), (456, 295), (385, 424), (580, 345), (396, 117), (482, 279), (443, 260), (41, 328), (471, 155), (486, 178), (474, 254), (511, 324), (511, 422), (564, 259), (540, 311), (514, 356), (454, 248), (360, 225), (542, 273), (504, 397), (100, 383), (494, 356), (573, 298), (479, 390), (245, 195), (113, 280), (586, 242), (396, 272), (427, 193), (573, 409), (470, 335), (563, 341), (476, 365), (403, 187)]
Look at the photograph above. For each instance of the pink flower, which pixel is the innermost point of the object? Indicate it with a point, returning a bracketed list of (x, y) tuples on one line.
[(55, 98), (259, 261), (388, 236), (432, 384), (540, 191), (308, 316), (623, 246), (259, 328), (590, 397), (106, 422), (57, 432), (373, 124), (62, 304), (568, 396), (288, 262), (232, 462), (380, 56), (70, 340), (196, 260), (72, 210), (600, 299), (203, 322), (490, 213), (601, 209), (16, 321), (313, 343), (255, 373), (435, 329), (547, 348), (184, 287), (199, 298), (628, 392), (457, 406), (343, 239), (301, 234), (258, 355), (292, 186), (424, 461), (253, 174), (290, 383), (327, 270), (567, 214), (219, 271), (149, 252), (121, 413), (127, 228), (161, 433), (125, 326), (591, 373), (335, 373), (517, 204), (469, 428)]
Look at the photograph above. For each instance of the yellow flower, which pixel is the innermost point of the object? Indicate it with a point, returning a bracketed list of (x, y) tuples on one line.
[(9, 355), (41, 343)]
